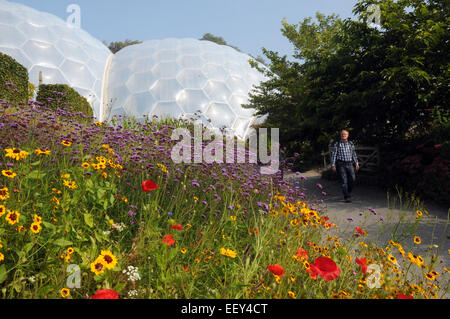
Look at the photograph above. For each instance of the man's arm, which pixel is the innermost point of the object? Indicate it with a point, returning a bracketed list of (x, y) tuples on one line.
[(354, 156)]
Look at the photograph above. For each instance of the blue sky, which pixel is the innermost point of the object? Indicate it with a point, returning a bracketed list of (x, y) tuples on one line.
[(247, 24)]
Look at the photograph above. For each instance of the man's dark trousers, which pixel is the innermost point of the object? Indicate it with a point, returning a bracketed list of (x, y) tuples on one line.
[(347, 177)]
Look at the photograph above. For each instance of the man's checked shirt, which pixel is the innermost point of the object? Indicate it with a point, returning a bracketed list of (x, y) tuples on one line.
[(344, 151)]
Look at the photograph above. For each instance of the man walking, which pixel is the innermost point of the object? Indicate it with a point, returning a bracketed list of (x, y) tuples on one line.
[(344, 155)]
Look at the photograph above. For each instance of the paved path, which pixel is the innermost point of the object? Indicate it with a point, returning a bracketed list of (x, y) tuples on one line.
[(434, 228)]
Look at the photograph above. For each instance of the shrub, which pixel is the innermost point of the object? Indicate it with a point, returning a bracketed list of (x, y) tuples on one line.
[(63, 96), (13, 80)]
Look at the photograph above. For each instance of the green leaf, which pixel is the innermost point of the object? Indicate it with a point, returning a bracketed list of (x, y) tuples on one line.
[(3, 273), (36, 163), (35, 175), (63, 242), (89, 220), (89, 184)]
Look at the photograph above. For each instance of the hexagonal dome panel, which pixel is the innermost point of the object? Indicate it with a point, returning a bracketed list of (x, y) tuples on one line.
[(190, 76), (42, 42)]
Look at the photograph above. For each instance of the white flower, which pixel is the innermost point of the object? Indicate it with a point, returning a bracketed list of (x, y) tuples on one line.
[(132, 293)]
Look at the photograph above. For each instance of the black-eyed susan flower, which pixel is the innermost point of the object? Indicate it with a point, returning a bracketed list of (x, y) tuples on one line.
[(2, 257), (12, 217), (291, 294), (85, 165), (417, 240), (4, 194), (109, 260), (392, 259), (430, 276), (183, 250), (98, 267), (233, 218), (38, 152), (228, 252), (65, 292), (37, 218), (35, 227), (70, 250), (2, 210), (70, 184), (66, 143), (8, 173), (16, 153)]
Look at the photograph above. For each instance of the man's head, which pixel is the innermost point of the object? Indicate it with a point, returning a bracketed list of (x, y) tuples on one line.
[(344, 135)]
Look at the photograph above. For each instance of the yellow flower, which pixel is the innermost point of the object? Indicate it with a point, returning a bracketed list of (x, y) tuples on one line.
[(98, 123), (4, 195), (70, 184), (2, 210), (8, 173), (233, 218), (37, 219), (392, 259), (38, 151), (35, 227), (183, 250), (66, 143), (65, 176), (16, 153), (13, 217), (64, 292), (109, 260), (85, 165), (273, 213), (98, 267), (104, 174), (70, 250), (430, 276), (291, 294), (228, 252), (292, 278), (417, 240)]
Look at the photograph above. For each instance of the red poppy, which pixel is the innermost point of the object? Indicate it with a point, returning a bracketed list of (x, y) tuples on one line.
[(359, 230), (177, 227), (276, 270), (324, 267), (402, 296), (149, 186), (105, 294), (302, 253), (362, 263), (186, 268), (168, 240)]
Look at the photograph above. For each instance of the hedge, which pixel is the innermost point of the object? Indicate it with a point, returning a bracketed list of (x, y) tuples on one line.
[(13, 80), (63, 96)]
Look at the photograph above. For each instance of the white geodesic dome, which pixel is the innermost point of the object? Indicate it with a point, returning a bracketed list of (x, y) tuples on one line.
[(185, 78), (66, 55), (180, 77)]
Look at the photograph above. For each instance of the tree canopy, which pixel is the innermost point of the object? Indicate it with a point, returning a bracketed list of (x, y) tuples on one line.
[(379, 83)]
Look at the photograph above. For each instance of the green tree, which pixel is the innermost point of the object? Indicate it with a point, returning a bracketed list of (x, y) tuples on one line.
[(377, 82), (218, 40), (119, 45)]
